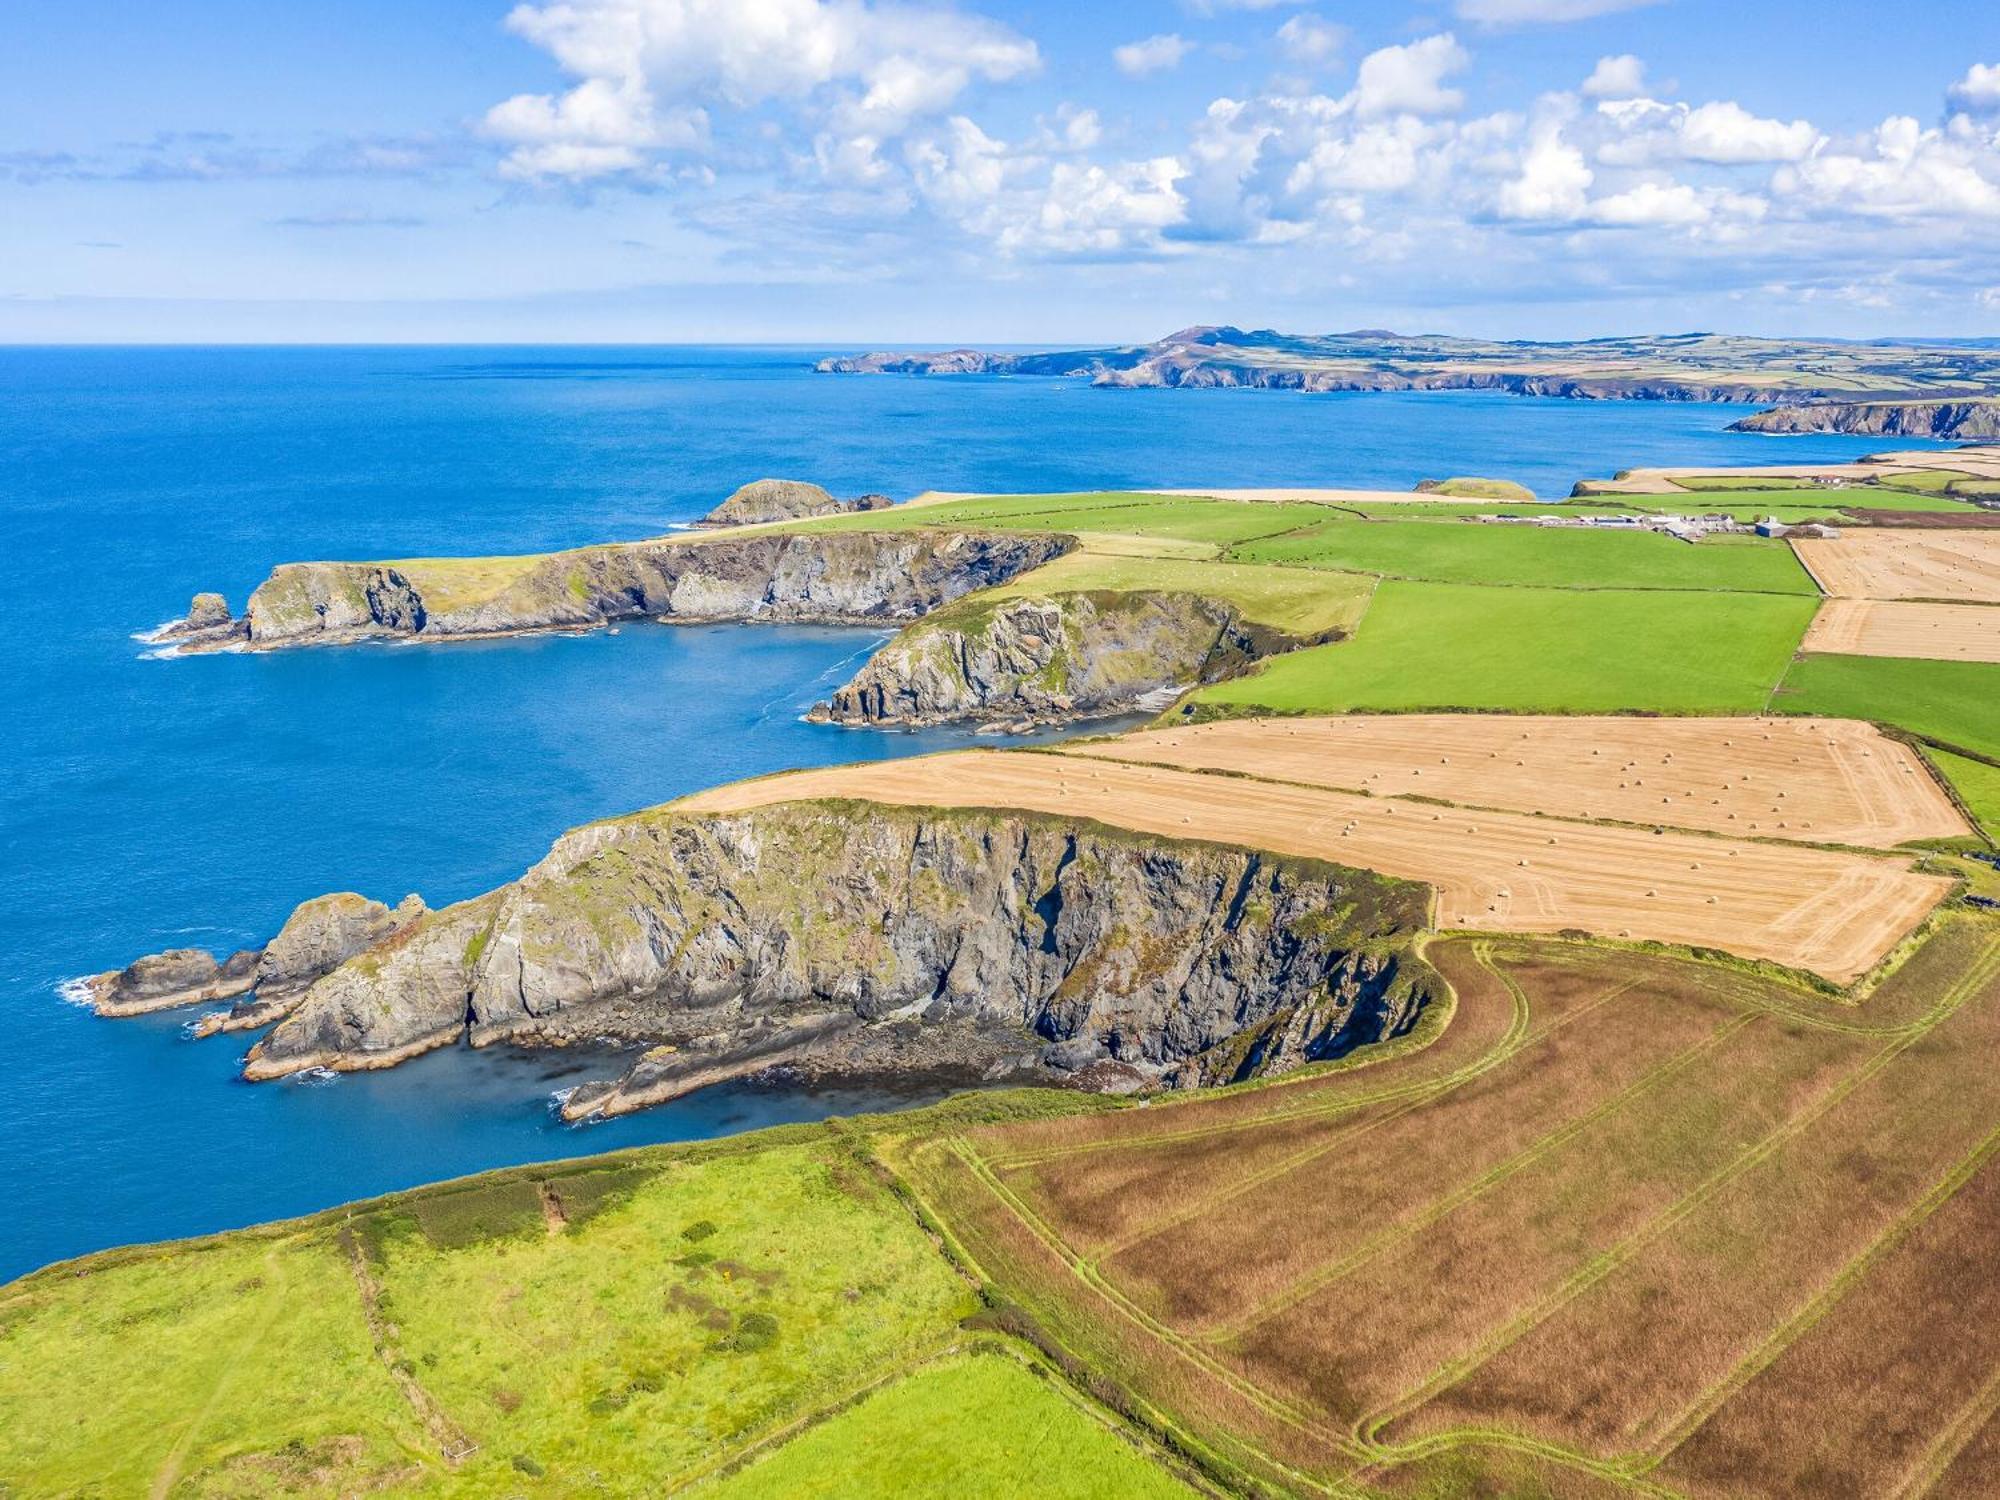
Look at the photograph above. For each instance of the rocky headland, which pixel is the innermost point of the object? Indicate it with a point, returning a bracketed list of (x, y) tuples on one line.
[(765, 500), (266, 983), (1964, 420), (1670, 367), (1038, 660), (853, 577), (829, 939)]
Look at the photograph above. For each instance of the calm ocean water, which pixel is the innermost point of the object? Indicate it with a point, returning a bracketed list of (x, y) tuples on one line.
[(147, 804)]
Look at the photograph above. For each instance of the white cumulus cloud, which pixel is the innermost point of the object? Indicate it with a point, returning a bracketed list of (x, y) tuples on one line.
[(1553, 181), (646, 68), (1155, 54), (1410, 79), (1311, 42), (1620, 77), (1978, 90)]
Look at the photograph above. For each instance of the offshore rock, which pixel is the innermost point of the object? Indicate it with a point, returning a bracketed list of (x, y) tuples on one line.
[(1047, 659), (764, 500), (162, 981), (803, 933), (207, 623)]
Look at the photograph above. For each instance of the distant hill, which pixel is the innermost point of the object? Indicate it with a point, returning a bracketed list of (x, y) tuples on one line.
[(1658, 367)]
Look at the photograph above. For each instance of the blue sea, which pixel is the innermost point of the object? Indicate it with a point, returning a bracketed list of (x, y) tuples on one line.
[(148, 803)]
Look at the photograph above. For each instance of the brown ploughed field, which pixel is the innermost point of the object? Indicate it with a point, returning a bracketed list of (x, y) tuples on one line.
[(1877, 627), (1962, 566), (1835, 781), (1831, 912), (1662, 1227)]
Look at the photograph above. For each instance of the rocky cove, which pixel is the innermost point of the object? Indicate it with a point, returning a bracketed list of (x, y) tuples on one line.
[(836, 941)]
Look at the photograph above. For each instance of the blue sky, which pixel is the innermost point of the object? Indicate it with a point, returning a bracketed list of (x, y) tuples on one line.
[(994, 170)]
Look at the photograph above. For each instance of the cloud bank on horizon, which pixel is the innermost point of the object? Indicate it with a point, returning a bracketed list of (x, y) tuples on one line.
[(1491, 163)]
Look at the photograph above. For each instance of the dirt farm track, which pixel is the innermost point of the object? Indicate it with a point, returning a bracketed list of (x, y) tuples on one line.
[(1833, 912)]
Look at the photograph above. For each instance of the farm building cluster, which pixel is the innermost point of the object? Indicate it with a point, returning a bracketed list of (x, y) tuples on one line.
[(1680, 527)]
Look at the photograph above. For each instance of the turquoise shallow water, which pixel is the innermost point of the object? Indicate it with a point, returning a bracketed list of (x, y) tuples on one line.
[(148, 803)]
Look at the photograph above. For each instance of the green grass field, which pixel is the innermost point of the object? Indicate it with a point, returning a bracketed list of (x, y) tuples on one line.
[(698, 1301), (1305, 602), (1439, 645), (1180, 518), (1745, 500), (1977, 785), (983, 1427), (1448, 552), (1954, 702)]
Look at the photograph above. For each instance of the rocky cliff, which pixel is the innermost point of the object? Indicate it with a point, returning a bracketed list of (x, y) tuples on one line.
[(832, 937), (764, 500), (1045, 659), (860, 577), (1919, 419)]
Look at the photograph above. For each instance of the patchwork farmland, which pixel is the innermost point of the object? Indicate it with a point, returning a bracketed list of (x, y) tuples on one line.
[(1638, 1224), (1833, 912)]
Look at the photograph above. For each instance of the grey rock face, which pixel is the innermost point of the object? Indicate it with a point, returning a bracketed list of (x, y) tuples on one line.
[(836, 578), (1039, 660), (708, 931), (206, 623), (322, 934)]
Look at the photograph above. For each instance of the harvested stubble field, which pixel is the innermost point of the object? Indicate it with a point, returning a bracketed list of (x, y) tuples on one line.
[(1884, 564), (1659, 1227), (1934, 632), (1831, 912), (1832, 781)]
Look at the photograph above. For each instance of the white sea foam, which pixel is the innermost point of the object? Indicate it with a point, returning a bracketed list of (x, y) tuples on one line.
[(313, 1078), (77, 992)]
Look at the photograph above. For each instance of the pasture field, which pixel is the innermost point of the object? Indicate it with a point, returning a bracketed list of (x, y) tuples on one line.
[(977, 1427), (1958, 566), (1659, 1227), (620, 1327), (1831, 781), (1548, 557), (1303, 602), (1832, 913), (1977, 785), (1933, 632), (1953, 703), (1176, 518), (1530, 650)]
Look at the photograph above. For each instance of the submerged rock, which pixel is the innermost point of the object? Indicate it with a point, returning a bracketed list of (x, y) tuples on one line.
[(801, 934)]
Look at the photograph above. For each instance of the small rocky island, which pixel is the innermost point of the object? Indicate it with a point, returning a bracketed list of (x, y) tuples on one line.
[(765, 500), (970, 943)]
